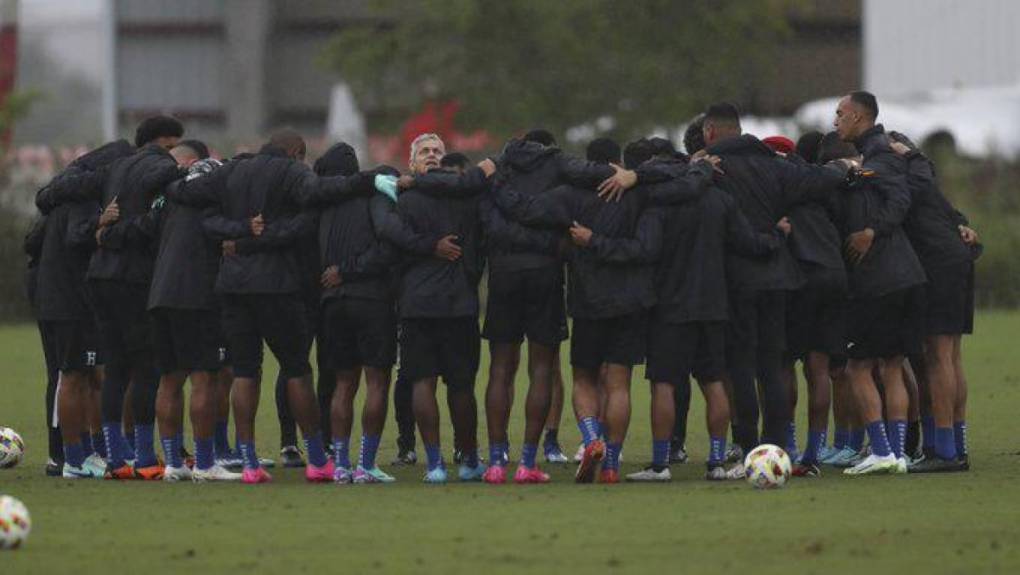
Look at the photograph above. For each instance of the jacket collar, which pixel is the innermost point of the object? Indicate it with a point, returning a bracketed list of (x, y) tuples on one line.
[(872, 141), (742, 144)]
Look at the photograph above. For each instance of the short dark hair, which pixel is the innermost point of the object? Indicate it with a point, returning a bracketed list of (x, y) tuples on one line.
[(455, 160), (723, 113), (288, 139), (157, 127), (808, 144), (637, 153), (663, 147), (834, 148), (694, 136), (867, 101), (541, 136), (603, 151), (197, 146)]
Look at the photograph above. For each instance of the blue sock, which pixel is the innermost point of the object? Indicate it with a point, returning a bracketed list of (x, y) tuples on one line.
[(341, 452), (716, 450), (86, 443), (316, 453), (856, 439), (144, 450), (945, 443), (841, 438), (171, 451), (791, 437), (590, 429), (529, 451), (369, 447), (815, 441), (602, 429), (660, 452), (928, 431), (434, 456), (960, 434), (612, 460), (204, 449), (551, 440), (496, 451), (471, 458), (879, 441), (130, 438), (896, 431), (221, 439), (73, 454), (248, 454), (115, 445), (179, 440), (99, 445)]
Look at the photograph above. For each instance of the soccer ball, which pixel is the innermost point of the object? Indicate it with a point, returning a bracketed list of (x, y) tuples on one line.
[(15, 523), (12, 448), (767, 467)]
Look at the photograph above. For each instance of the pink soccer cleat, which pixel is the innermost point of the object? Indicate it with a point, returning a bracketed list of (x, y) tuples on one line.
[(530, 475), (495, 475), (254, 476), (322, 474)]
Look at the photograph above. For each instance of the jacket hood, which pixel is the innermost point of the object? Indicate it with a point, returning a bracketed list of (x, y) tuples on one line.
[(742, 144), (339, 160), (104, 154), (526, 156)]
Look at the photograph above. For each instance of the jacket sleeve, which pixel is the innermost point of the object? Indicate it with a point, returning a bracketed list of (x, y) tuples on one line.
[(451, 184), (73, 185), (802, 183), (198, 190), (218, 227), (892, 186), (643, 248), (390, 226), (33, 243), (743, 239), (281, 234), (577, 172), (504, 234), (554, 208), (921, 171), (130, 230), (81, 227), (310, 190), (665, 189)]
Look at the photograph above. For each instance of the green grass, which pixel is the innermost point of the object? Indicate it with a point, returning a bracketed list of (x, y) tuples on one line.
[(960, 523)]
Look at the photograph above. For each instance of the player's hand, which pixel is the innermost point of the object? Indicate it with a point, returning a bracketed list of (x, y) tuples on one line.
[(110, 214), (859, 244), (405, 182), (257, 225), (900, 148), (229, 248), (331, 277), (487, 166), (784, 226), (447, 249), (714, 161), (612, 188), (968, 235), (99, 236), (580, 235)]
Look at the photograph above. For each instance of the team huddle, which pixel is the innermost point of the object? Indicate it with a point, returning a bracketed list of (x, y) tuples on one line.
[(154, 264)]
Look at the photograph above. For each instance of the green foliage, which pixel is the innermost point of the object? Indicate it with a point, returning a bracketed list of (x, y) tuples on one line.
[(16, 106), (516, 65)]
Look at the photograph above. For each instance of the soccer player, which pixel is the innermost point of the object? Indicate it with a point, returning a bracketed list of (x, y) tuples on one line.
[(119, 274), (886, 305)]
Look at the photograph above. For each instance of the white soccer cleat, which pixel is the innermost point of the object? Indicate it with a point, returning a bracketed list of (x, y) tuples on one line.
[(737, 472), (873, 464), (95, 465), (579, 455), (175, 474), (901, 466), (214, 473), (650, 475)]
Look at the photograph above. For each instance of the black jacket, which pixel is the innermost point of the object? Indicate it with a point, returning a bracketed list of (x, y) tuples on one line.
[(932, 222), (880, 200), (273, 185), (67, 245), (32, 246), (431, 287), (766, 187)]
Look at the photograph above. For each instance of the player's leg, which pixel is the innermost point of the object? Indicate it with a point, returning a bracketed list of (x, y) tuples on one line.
[(373, 419), (617, 418), (913, 440), (741, 358), (869, 408), (771, 345), (342, 416), (94, 414), (403, 412), (941, 375), (788, 377), (55, 464), (669, 351), (71, 404), (204, 406), (504, 359), (426, 414), (960, 409), (816, 372), (541, 363), (587, 403), (551, 444), (459, 355), (223, 382), (682, 408), (285, 419)]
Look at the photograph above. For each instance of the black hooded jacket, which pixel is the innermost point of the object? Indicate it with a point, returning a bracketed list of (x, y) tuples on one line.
[(32, 246), (932, 222), (880, 200), (766, 187), (815, 241)]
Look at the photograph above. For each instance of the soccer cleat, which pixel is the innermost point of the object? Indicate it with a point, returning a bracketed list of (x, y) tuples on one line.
[(579, 454), (593, 454), (150, 473), (458, 456), (343, 476), (175, 474), (436, 477), (476, 473), (936, 464), (232, 461), (824, 452), (54, 468), (406, 457), (123, 473), (873, 465), (716, 473), (290, 456), (255, 476), (71, 472), (609, 476), (736, 472), (554, 455), (187, 458), (651, 475), (734, 454), (266, 463), (495, 475), (842, 458), (316, 474), (373, 475), (965, 462), (525, 475), (678, 454), (901, 466), (214, 473), (95, 465), (806, 470)]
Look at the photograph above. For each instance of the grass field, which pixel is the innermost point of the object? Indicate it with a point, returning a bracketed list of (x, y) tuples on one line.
[(958, 523)]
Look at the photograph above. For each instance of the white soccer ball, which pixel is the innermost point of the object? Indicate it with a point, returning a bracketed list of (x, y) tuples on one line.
[(12, 448), (15, 523), (767, 467)]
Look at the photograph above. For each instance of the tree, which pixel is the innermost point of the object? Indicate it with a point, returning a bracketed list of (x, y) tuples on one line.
[(524, 63)]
